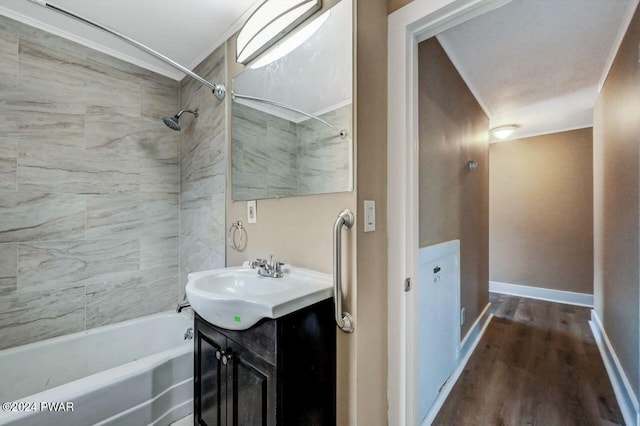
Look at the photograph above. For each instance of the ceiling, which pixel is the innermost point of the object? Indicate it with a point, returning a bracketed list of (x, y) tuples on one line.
[(539, 63), (186, 34)]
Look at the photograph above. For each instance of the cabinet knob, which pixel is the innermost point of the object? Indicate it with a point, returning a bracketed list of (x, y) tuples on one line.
[(226, 358), (218, 355)]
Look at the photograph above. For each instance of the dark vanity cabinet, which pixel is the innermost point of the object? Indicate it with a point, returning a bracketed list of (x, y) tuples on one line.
[(278, 372)]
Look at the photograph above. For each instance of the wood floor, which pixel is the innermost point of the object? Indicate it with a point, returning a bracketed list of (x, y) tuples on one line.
[(537, 364)]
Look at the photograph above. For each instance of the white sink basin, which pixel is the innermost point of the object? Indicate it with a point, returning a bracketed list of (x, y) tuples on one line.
[(237, 298)]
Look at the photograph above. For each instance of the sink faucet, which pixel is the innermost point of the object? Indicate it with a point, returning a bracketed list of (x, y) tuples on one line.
[(271, 268)]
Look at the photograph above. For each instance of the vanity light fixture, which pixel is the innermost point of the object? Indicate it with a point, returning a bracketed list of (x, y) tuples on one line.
[(291, 43), (271, 21), (503, 132)]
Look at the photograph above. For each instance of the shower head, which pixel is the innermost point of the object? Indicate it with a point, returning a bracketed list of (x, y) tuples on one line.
[(174, 122)]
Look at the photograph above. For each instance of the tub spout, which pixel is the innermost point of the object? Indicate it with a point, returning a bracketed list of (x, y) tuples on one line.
[(182, 305)]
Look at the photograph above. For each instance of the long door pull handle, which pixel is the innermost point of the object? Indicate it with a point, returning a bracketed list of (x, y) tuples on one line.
[(343, 319)]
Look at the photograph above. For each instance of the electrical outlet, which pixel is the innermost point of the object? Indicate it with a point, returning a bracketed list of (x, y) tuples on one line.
[(462, 316), (252, 211)]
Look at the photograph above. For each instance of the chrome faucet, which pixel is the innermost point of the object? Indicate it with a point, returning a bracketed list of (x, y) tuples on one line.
[(271, 268), (182, 305)]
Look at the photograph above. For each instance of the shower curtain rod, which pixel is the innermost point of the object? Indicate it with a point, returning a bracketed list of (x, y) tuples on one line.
[(342, 133), (219, 90)]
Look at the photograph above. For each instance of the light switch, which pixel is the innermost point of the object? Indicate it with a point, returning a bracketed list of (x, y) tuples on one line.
[(369, 216)]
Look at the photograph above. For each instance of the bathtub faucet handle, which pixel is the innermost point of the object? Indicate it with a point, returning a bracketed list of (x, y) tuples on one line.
[(188, 335)]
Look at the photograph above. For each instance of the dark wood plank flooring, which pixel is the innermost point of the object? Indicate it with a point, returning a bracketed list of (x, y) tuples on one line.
[(537, 364)]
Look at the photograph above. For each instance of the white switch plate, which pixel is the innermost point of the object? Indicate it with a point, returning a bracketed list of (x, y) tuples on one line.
[(252, 212), (369, 216)]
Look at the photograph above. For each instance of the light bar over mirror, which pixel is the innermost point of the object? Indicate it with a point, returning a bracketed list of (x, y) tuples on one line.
[(269, 23)]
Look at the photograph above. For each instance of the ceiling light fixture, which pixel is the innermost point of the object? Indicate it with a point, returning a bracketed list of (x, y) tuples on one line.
[(503, 132), (269, 23)]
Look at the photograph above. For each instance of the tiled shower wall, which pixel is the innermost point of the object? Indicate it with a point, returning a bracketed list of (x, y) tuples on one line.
[(264, 154), (324, 158), (203, 166), (273, 157), (89, 188)]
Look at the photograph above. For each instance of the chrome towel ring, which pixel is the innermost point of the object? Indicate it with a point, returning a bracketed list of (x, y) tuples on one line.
[(237, 236)]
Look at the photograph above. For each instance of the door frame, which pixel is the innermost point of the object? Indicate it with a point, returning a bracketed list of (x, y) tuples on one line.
[(408, 26)]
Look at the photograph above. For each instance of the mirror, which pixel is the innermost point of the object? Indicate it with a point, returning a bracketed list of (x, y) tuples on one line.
[(288, 115)]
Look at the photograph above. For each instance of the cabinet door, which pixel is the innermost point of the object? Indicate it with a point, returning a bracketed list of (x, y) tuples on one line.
[(209, 379), (251, 398)]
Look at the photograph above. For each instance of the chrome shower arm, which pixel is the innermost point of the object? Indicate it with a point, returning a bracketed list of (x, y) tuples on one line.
[(219, 90), (341, 132)]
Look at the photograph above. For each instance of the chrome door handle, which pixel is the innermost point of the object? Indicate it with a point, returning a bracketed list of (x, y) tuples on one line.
[(343, 319)]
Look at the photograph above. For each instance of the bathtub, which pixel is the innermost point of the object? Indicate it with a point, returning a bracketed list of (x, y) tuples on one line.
[(138, 372)]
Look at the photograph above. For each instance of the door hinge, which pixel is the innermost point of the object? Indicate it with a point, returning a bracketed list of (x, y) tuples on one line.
[(407, 284)]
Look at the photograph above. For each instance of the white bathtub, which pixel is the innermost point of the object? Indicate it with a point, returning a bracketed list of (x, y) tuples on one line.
[(138, 372)]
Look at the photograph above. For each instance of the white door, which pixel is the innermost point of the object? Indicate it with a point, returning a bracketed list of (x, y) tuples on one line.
[(439, 320)]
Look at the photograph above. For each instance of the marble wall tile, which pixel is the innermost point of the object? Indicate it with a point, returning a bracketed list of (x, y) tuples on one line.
[(111, 216), (159, 214), (324, 170), (108, 303), (200, 254), (89, 188), (198, 170), (199, 217), (8, 268), (159, 252), (8, 60), (159, 176), (8, 165), (131, 137), (324, 158), (131, 216), (30, 317), (74, 78), (64, 264), (264, 155), (28, 216), (159, 99), (66, 46), (82, 174), (44, 124), (203, 163)]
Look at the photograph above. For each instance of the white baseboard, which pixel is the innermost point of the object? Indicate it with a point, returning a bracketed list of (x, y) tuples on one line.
[(467, 346), (627, 399), (558, 296)]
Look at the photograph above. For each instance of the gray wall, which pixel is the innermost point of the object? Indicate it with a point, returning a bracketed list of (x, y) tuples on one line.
[(203, 164), (89, 183), (453, 201), (541, 211), (616, 151)]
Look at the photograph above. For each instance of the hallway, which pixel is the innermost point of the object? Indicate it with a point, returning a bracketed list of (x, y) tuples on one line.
[(537, 364)]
